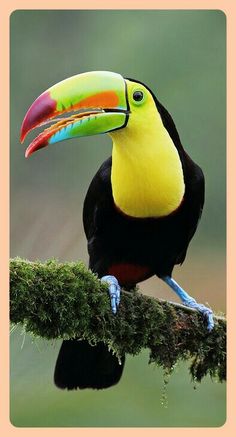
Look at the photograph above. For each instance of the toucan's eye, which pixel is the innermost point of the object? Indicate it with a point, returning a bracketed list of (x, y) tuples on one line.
[(138, 96)]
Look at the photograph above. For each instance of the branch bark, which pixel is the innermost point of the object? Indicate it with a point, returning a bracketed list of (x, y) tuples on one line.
[(66, 300)]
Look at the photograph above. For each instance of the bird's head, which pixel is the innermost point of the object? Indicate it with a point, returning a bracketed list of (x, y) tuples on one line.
[(88, 104)]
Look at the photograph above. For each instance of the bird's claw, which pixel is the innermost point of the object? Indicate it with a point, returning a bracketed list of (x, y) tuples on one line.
[(205, 311), (114, 291)]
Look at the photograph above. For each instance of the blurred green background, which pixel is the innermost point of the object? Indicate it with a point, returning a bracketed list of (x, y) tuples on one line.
[(180, 55)]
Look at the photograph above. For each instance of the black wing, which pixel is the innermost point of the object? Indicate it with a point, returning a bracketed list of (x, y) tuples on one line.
[(98, 201), (97, 213), (194, 201)]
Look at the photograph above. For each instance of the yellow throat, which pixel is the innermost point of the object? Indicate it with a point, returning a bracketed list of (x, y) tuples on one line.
[(147, 176)]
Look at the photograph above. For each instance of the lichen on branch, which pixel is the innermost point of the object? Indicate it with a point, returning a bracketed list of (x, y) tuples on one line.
[(66, 300)]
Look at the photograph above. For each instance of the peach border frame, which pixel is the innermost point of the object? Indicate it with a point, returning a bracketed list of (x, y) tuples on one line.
[(229, 8)]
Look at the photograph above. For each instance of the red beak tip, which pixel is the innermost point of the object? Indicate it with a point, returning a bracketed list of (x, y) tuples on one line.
[(22, 135), (28, 152)]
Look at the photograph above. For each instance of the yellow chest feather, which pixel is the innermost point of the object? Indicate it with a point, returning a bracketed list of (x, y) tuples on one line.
[(147, 175)]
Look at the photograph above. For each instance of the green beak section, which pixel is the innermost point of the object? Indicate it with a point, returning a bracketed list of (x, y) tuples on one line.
[(100, 95), (89, 90), (93, 124)]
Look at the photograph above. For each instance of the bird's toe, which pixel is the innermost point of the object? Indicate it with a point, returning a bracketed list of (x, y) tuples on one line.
[(114, 291), (205, 311)]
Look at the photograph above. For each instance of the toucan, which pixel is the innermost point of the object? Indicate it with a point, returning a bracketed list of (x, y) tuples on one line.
[(142, 207)]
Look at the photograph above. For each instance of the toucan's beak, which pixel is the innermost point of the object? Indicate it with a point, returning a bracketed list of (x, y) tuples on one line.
[(100, 98)]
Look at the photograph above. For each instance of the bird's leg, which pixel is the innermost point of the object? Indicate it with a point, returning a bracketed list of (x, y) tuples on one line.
[(114, 291), (190, 301)]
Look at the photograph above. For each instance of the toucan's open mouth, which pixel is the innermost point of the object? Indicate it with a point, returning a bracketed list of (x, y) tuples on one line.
[(98, 98), (64, 127)]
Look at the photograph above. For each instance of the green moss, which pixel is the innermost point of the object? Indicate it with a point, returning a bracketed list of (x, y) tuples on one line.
[(55, 300)]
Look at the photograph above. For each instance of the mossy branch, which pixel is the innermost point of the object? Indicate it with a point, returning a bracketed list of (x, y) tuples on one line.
[(55, 300)]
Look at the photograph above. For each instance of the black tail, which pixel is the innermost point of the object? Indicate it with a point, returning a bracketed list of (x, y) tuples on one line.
[(80, 365)]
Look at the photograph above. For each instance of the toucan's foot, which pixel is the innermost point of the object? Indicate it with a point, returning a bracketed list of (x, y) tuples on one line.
[(114, 291), (205, 311), (191, 302)]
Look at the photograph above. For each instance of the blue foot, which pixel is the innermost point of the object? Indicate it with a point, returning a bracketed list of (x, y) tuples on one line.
[(190, 302), (114, 291)]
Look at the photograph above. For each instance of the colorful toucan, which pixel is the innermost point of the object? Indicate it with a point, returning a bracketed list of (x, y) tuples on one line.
[(142, 207)]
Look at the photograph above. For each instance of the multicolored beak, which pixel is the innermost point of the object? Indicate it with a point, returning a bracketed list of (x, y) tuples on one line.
[(99, 97)]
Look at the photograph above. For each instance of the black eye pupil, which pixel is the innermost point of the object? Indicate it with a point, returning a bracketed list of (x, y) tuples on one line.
[(138, 96)]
